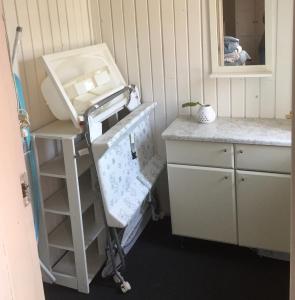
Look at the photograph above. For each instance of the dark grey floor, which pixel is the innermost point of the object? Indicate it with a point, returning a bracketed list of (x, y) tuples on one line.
[(162, 266)]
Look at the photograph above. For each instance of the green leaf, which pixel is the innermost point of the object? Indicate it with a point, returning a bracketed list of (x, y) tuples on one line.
[(191, 104)]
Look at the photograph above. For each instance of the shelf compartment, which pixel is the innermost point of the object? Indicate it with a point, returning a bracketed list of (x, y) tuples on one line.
[(53, 168), (87, 195), (92, 228), (95, 261), (58, 203), (56, 167), (61, 237), (65, 268)]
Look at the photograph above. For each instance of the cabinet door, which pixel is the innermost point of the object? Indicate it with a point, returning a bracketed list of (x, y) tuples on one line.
[(263, 201), (203, 203)]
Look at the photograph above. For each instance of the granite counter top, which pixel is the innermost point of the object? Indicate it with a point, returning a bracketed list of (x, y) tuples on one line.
[(231, 130)]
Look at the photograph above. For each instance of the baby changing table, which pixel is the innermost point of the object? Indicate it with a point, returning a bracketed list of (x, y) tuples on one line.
[(86, 92)]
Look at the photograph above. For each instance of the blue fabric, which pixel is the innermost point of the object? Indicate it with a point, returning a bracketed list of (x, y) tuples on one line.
[(230, 44), (31, 161)]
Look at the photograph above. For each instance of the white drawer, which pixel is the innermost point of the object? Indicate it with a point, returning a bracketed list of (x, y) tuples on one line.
[(263, 158), (200, 154)]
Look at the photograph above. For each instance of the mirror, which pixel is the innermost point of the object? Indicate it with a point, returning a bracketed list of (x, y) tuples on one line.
[(243, 33), (241, 37)]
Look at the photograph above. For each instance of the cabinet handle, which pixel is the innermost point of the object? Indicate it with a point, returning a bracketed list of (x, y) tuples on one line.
[(243, 179), (226, 177), (225, 150), (241, 151)]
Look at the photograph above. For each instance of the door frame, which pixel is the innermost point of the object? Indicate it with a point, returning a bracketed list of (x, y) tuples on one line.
[(292, 250)]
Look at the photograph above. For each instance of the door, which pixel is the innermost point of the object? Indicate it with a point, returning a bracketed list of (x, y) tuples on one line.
[(263, 202), (20, 275), (250, 26), (203, 203)]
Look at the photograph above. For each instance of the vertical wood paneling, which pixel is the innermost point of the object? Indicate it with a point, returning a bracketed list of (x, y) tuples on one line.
[(252, 97), (238, 98), (45, 23), (210, 95), (154, 7), (131, 41), (63, 23), (195, 50), (95, 20), (106, 24), (169, 57), (72, 24), (181, 37), (38, 51), (78, 17), (55, 26), (119, 36), (144, 50), (85, 21), (267, 97), (224, 97)]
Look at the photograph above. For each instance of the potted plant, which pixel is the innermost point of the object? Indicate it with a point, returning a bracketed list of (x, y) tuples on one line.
[(205, 114)]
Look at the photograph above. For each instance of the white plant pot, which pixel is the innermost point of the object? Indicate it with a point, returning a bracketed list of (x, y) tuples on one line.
[(206, 114)]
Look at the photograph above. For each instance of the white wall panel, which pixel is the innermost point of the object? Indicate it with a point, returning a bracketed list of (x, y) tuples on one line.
[(169, 56), (252, 97), (210, 91), (157, 59), (238, 98)]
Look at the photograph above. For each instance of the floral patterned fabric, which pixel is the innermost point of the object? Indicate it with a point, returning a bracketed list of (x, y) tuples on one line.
[(126, 179)]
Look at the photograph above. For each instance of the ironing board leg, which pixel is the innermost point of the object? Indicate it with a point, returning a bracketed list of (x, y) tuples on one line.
[(118, 278)]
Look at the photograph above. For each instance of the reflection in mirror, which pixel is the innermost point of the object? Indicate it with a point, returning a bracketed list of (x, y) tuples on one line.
[(241, 32)]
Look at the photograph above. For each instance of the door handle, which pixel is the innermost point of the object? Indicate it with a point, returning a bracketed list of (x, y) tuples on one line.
[(25, 187)]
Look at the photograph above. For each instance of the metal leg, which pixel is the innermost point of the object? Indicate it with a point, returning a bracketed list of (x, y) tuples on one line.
[(119, 247), (112, 246)]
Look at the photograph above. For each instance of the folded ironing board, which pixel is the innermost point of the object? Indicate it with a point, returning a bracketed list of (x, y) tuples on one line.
[(127, 166)]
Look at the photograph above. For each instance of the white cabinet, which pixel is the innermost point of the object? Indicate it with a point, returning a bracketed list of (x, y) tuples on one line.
[(203, 202), (263, 203), (237, 194)]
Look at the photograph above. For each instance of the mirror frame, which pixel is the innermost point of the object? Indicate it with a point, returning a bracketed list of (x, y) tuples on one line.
[(244, 71)]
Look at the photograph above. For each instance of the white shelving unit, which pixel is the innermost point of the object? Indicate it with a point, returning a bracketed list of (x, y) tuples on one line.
[(74, 250)]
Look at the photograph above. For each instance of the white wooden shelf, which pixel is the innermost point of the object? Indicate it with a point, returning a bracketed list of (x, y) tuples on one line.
[(75, 250), (66, 266), (61, 237), (58, 203), (56, 167)]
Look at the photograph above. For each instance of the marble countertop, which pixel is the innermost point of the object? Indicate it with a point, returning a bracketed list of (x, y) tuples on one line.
[(231, 130)]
